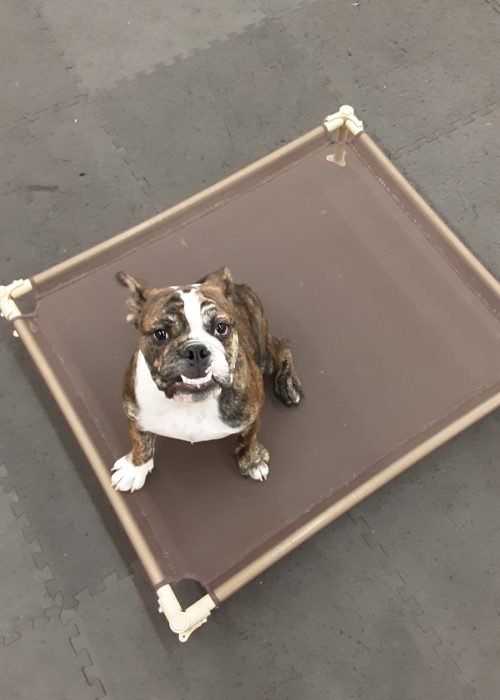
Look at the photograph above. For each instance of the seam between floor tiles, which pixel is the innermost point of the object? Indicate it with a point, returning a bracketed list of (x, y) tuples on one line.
[(42, 567), (141, 179), (269, 20), (44, 573), (70, 617), (81, 651), (391, 576), (41, 563), (35, 115), (55, 608), (179, 58), (147, 189), (73, 636), (445, 132), (494, 4)]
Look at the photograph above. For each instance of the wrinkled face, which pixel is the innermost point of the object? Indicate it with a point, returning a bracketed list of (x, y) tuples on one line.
[(187, 337)]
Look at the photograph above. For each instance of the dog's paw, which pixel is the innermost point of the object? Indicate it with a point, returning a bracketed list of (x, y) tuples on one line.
[(254, 464), (258, 471), (127, 476), (287, 387)]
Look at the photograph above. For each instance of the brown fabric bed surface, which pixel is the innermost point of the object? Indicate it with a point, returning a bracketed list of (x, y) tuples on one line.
[(390, 340)]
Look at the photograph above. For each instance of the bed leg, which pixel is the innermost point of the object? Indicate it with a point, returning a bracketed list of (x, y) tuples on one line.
[(340, 125), (183, 622)]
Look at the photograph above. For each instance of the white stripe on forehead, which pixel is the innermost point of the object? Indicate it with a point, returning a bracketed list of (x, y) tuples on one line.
[(192, 311), (189, 286)]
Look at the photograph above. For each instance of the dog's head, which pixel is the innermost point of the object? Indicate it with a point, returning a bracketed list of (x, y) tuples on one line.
[(187, 334)]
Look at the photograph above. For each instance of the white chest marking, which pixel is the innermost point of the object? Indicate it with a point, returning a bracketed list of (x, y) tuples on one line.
[(183, 420)]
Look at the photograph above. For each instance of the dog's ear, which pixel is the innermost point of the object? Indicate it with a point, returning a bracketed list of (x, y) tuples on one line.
[(220, 278), (138, 295)]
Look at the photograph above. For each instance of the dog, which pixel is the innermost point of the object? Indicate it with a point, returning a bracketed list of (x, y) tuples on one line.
[(198, 371)]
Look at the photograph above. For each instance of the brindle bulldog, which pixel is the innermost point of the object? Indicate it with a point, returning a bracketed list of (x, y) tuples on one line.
[(198, 371)]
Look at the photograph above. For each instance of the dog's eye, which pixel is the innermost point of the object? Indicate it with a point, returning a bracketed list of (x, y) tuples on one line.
[(221, 329), (160, 335)]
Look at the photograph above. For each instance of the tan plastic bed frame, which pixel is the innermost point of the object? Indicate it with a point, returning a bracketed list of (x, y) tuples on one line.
[(394, 325)]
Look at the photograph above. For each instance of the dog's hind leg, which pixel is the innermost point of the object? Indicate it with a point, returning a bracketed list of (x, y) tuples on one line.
[(287, 386)]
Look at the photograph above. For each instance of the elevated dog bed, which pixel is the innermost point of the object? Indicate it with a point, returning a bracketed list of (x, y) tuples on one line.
[(393, 323)]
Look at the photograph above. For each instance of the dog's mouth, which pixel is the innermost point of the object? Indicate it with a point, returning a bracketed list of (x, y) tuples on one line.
[(198, 382), (191, 385)]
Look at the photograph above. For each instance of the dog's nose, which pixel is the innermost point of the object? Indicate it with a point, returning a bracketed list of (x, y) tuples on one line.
[(197, 355)]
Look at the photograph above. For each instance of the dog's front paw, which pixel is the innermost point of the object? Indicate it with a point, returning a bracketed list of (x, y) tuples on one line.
[(254, 463), (128, 476), (287, 387), (258, 471)]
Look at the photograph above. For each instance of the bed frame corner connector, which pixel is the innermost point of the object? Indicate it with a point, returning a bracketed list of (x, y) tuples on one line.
[(8, 307), (183, 622), (342, 122)]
